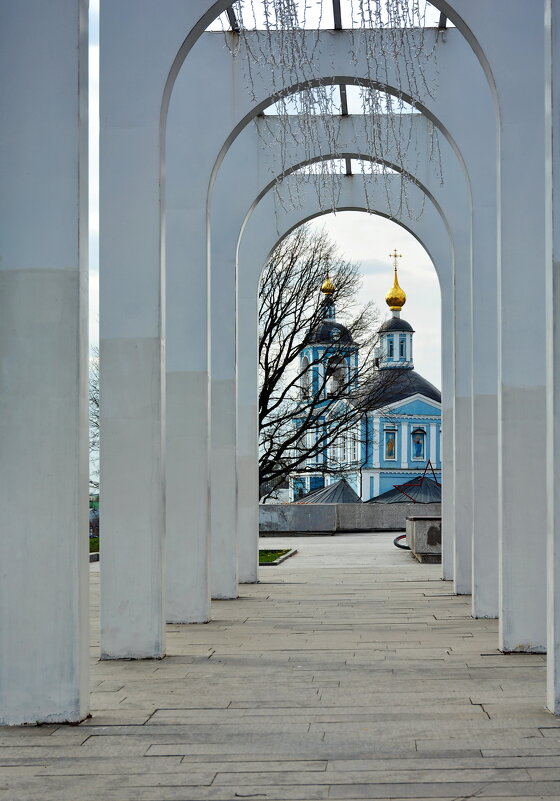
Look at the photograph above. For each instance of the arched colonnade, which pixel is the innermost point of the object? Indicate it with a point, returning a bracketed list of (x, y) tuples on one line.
[(495, 94)]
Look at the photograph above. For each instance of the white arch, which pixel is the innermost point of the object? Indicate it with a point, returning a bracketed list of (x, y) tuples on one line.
[(260, 234), (140, 331), (186, 235), (226, 220), (226, 226), (132, 84)]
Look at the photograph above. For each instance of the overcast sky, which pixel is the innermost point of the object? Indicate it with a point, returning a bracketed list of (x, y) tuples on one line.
[(368, 240), (364, 238)]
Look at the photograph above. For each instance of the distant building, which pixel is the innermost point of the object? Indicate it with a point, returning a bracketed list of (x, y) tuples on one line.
[(394, 441)]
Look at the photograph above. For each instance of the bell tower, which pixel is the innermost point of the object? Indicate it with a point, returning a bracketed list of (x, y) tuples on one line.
[(395, 335)]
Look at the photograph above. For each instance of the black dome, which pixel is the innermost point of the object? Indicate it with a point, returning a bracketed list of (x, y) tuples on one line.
[(393, 384), (329, 331), (395, 324)]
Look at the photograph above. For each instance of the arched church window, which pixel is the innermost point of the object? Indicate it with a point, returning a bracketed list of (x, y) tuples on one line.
[(390, 347), (402, 348), (305, 381), (353, 445), (418, 444), (337, 375)]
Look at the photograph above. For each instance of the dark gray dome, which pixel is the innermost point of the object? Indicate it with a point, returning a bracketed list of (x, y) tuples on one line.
[(396, 324), (393, 384), (328, 332)]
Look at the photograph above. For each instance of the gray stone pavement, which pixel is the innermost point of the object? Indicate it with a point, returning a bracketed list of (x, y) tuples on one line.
[(349, 672)]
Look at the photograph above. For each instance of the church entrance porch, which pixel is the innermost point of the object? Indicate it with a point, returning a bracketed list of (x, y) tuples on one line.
[(350, 672)]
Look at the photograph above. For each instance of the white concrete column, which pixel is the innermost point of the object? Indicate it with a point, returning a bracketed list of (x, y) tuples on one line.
[(44, 561), (447, 435), (247, 438), (552, 154), (137, 83), (187, 541), (518, 67), (223, 467), (131, 356), (462, 436), (484, 504), (187, 544)]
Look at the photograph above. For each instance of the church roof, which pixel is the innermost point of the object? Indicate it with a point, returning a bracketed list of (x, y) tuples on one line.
[(418, 490), (395, 324), (323, 333), (339, 492), (392, 385)]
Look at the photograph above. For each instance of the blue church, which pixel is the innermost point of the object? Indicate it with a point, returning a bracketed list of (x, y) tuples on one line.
[(399, 431)]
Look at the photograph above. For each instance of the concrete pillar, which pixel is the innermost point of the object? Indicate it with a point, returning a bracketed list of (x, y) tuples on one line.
[(552, 153), (187, 481), (462, 434), (44, 562), (131, 356), (247, 437), (137, 86), (485, 562), (447, 434), (187, 545), (223, 466), (518, 71)]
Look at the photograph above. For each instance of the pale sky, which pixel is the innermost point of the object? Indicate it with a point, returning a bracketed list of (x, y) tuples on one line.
[(369, 239), (363, 238)]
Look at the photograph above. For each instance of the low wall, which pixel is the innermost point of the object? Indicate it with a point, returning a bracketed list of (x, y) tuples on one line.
[(330, 518)]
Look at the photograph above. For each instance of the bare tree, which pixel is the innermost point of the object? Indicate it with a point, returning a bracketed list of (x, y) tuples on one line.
[(94, 418), (298, 420)]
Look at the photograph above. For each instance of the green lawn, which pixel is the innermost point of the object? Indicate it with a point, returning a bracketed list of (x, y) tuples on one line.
[(266, 557)]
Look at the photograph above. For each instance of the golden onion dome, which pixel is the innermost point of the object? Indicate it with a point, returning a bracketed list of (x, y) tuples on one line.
[(395, 297), (328, 288)]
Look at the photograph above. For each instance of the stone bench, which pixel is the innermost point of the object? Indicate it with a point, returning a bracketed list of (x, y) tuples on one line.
[(423, 537)]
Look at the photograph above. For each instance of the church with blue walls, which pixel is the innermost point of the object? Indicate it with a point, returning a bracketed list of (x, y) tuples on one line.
[(399, 431)]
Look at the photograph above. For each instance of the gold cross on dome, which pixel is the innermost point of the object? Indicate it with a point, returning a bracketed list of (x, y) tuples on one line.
[(395, 256)]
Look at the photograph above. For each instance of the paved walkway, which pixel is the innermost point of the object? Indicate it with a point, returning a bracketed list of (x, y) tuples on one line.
[(350, 672)]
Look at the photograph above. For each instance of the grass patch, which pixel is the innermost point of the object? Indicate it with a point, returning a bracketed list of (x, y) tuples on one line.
[(266, 557), (94, 544)]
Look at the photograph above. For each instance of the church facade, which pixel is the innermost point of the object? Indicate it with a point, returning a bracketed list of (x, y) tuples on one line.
[(399, 432)]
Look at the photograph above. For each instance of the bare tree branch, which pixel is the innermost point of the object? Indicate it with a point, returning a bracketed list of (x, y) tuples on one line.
[(297, 424), (94, 418)]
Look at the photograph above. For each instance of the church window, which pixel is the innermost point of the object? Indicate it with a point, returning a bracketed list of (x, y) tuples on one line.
[(402, 348), (418, 444), (305, 380), (390, 444), (390, 347), (353, 445), (342, 449), (316, 482), (299, 488), (337, 375)]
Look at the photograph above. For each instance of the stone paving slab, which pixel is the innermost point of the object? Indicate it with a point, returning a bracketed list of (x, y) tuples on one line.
[(351, 672)]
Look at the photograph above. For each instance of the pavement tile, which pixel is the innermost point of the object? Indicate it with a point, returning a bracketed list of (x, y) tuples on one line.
[(349, 672)]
